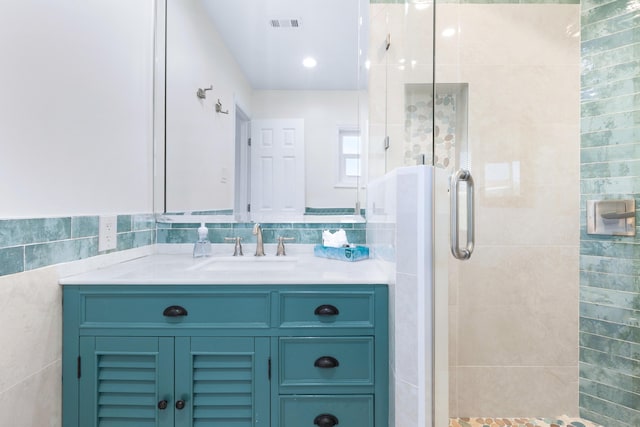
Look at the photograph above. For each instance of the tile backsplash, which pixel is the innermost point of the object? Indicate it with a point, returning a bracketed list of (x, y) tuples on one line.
[(27, 244), (308, 233)]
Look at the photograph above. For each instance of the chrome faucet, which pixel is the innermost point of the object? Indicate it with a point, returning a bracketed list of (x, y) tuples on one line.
[(257, 230)]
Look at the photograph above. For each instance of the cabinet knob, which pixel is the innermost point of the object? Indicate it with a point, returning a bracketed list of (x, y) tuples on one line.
[(180, 404), (174, 311), (163, 404), (326, 362), (325, 420), (326, 310)]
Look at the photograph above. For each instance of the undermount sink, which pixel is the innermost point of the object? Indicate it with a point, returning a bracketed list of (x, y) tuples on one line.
[(246, 263)]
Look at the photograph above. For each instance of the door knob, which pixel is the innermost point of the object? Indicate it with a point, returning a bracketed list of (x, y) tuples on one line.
[(180, 404)]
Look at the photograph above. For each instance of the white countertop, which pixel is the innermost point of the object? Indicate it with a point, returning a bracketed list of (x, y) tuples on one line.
[(175, 265)]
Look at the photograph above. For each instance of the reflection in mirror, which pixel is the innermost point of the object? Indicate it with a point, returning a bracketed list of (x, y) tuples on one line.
[(266, 107)]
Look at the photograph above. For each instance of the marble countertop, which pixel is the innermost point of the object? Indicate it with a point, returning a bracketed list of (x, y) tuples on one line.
[(175, 265)]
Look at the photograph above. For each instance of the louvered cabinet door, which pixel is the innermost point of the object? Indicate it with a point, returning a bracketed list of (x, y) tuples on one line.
[(124, 381), (223, 381)]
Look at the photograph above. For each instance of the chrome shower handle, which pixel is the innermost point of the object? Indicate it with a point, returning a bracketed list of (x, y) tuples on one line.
[(456, 178)]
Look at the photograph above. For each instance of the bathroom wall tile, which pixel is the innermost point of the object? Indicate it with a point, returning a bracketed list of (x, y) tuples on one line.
[(611, 249), (143, 222), (601, 419), (610, 137), (31, 336), (610, 410), (617, 282), (626, 349), (44, 254), (24, 231), (124, 223), (618, 72), (607, 297), (614, 185), (604, 11), (610, 361), (620, 104), (610, 121), (84, 226), (612, 330), (605, 27), (603, 264), (485, 391), (607, 58), (611, 169), (135, 239), (36, 401), (609, 153), (609, 377), (11, 260), (617, 315)]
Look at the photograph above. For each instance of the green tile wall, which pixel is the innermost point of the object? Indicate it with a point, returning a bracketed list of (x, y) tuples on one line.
[(610, 168), (305, 233), (26, 244)]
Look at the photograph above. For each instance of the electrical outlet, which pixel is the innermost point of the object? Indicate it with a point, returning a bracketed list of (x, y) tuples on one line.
[(108, 228)]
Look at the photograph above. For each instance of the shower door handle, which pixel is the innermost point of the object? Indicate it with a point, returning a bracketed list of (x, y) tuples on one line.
[(456, 179)]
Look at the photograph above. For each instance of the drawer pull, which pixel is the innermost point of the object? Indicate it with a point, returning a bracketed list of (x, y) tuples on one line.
[(325, 420), (326, 362), (180, 404), (163, 404), (175, 311), (326, 310)]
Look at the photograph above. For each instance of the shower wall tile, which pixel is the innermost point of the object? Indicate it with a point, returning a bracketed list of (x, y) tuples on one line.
[(610, 169), (27, 244), (484, 390)]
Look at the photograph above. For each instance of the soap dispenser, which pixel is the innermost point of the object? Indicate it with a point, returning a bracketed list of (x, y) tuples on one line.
[(202, 247)]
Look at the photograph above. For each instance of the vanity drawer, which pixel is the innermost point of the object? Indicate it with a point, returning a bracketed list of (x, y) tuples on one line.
[(138, 309), (348, 411), (315, 364), (327, 309)]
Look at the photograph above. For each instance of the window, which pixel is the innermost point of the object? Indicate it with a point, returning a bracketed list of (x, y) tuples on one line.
[(349, 153)]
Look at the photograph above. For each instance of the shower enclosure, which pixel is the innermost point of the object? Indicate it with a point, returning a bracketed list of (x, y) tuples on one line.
[(493, 89)]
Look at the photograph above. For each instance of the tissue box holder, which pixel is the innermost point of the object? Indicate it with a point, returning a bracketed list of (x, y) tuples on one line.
[(343, 254)]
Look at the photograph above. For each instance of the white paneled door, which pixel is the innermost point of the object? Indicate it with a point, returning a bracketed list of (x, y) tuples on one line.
[(277, 168)]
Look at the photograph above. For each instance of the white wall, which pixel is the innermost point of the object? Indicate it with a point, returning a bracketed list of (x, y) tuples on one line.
[(200, 142), (324, 112), (75, 138), (76, 107)]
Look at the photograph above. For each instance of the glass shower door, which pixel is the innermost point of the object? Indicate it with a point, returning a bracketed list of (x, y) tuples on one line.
[(513, 305)]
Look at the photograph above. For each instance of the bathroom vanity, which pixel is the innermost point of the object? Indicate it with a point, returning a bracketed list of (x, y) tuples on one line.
[(226, 348)]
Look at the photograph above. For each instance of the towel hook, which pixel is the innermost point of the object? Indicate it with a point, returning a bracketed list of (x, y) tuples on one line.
[(219, 108), (202, 93)]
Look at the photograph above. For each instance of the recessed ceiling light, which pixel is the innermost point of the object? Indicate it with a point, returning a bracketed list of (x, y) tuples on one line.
[(309, 62)]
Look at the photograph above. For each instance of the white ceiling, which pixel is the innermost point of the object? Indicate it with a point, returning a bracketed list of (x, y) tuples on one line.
[(272, 57)]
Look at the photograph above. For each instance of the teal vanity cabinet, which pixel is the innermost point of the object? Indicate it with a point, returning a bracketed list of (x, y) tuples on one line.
[(225, 355)]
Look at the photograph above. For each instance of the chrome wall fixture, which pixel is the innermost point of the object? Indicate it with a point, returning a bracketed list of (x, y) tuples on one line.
[(202, 93), (461, 176), (219, 108), (616, 217)]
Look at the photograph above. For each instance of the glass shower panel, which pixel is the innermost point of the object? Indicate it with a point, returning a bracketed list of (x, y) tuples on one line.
[(513, 306)]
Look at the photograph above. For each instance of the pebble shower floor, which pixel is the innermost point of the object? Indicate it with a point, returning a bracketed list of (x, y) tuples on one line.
[(520, 422)]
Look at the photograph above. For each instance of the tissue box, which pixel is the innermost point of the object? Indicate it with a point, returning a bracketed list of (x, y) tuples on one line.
[(343, 254)]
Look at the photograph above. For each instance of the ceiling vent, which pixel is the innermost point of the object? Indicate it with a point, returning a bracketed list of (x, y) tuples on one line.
[(285, 23)]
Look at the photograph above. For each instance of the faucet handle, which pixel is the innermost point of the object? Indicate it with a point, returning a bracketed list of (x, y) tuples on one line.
[(280, 251), (237, 250)]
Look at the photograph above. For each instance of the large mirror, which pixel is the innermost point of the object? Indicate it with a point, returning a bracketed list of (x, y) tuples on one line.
[(266, 108)]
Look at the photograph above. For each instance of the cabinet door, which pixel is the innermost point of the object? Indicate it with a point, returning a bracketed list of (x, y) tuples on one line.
[(223, 381), (122, 381)]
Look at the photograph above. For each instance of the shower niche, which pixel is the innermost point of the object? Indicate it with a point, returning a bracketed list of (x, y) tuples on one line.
[(447, 124)]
